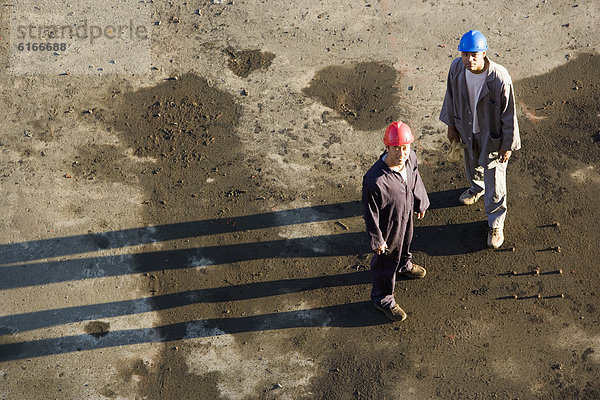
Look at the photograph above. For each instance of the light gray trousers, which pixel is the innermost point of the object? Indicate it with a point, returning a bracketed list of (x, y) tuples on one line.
[(492, 180)]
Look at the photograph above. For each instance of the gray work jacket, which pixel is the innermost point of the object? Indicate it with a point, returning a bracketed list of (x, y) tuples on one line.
[(496, 111), (389, 202)]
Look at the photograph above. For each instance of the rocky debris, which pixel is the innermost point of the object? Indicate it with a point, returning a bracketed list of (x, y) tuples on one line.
[(97, 329), (244, 62)]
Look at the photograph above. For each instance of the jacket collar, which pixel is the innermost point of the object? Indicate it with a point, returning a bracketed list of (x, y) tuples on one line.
[(462, 80), (387, 169)]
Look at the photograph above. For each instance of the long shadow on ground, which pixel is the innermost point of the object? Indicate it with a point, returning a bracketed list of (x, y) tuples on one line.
[(434, 240), (336, 316)]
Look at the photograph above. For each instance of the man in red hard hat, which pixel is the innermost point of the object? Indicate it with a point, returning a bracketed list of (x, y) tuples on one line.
[(392, 190), (479, 109)]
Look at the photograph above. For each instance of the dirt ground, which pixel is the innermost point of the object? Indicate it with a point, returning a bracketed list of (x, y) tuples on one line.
[(194, 231)]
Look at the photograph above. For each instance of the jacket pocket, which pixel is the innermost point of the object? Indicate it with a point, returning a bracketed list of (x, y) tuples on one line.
[(493, 144), (495, 129)]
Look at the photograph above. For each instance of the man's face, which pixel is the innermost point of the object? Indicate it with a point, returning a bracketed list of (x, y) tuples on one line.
[(474, 62), (398, 154)]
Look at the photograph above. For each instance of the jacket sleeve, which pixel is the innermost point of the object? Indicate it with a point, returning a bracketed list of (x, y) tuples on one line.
[(420, 193), (447, 113), (508, 119), (371, 200)]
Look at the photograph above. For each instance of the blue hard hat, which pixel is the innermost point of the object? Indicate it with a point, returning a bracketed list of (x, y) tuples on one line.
[(472, 42)]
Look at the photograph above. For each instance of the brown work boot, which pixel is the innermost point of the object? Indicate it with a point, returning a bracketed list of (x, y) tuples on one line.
[(415, 272), (495, 237), (469, 197), (395, 313)]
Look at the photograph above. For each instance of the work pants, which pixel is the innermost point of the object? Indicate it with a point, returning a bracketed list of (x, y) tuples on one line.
[(385, 267), (491, 179)]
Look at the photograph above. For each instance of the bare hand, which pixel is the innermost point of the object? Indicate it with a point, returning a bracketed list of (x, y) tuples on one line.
[(381, 249), (504, 155), (420, 215), (453, 135)]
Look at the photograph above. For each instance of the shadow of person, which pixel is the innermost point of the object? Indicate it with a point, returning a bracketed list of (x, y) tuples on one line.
[(450, 239), (351, 315)]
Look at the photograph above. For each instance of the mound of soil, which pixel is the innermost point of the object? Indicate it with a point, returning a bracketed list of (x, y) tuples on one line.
[(187, 129), (243, 62), (363, 94)]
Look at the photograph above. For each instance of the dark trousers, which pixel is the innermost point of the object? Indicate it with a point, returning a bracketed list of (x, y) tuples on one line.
[(385, 267)]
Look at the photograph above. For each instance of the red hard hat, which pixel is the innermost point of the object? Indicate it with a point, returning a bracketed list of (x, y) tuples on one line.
[(398, 134)]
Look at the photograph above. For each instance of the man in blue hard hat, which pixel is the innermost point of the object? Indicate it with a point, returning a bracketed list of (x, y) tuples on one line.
[(479, 109)]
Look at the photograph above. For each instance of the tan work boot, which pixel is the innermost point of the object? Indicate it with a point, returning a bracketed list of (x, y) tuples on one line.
[(495, 237), (469, 197), (415, 272), (395, 313)]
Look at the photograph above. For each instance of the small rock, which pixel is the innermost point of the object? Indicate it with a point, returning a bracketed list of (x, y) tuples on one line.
[(277, 386), (587, 353), (344, 227)]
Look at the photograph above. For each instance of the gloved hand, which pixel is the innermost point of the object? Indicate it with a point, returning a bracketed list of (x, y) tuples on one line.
[(456, 151)]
